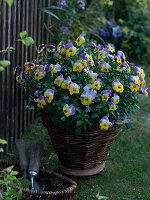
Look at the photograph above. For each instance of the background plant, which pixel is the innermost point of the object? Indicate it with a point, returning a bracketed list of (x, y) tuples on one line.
[(70, 18), (27, 41), (131, 19), (7, 181)]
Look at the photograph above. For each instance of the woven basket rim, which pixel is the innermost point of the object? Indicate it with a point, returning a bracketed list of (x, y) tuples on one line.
[(92, 131), (70, 189)]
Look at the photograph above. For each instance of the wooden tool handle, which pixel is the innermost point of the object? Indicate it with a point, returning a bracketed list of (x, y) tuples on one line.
[(35, 158), (20, 144)]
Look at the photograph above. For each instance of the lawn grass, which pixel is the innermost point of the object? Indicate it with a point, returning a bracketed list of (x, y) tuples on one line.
[(127, 173)]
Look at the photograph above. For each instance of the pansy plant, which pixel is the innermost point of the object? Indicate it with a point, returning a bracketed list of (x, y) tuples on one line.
[(79, 85)]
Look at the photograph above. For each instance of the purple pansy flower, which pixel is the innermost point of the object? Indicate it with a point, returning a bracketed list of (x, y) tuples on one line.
[(50, 48), (105, 124), (106, 94), (43, 98), (112, 106), (92, 44), (23, 75), (87, 87), (99, 47), (47, 68), (144, 89), (104, 67), (108, 91), (69, 45), (69, 110)]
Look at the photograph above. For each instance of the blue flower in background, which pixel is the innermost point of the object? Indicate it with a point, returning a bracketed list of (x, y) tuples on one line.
[(95, 30), (116, 32), (110, 24), (104, 33)]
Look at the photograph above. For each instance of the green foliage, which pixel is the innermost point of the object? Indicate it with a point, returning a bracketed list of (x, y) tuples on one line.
[(2, 142), (23, 34), (134, 21), (8, 180), (45, 10), (5, 63), (10, 2), (28, 41), (74, 19), (1, 69), (10, 48), (131, 16)]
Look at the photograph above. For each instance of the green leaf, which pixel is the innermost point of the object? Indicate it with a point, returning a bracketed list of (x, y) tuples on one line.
[(79, 123), (1, 150), (14, 173), (28, 41), (10, 48), (47, 29), (77, 131), (5, 63), (53, 8), (1, 69), (79, 109), (10, 2), (49, 12), (1, 182), (3, 141), (95, 115), (22, 34), (24, 183), (8, 169)]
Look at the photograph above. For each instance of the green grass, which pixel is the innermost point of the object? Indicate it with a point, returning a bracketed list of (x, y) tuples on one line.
[(127, 173)]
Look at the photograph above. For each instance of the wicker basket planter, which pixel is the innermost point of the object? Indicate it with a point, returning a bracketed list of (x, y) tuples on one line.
[(83, 155), (63, 188)]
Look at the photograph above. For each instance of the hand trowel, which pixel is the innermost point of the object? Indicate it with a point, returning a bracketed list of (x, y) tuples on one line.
[(34, 165), (20, 144)]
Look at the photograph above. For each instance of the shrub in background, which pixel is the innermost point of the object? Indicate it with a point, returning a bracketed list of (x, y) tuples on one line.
[(132, 17), (125, 24)]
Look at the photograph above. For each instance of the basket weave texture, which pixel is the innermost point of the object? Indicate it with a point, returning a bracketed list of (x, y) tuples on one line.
[(58, 181), (85, 151)]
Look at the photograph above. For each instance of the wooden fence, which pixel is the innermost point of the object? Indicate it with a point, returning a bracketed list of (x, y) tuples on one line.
[(22, 15)]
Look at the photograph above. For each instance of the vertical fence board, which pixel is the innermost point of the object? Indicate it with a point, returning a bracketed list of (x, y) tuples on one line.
[(12, 105), (3, 128), (7, 91), (32, 47), (23, 15), (1, 134), (22, 64)]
